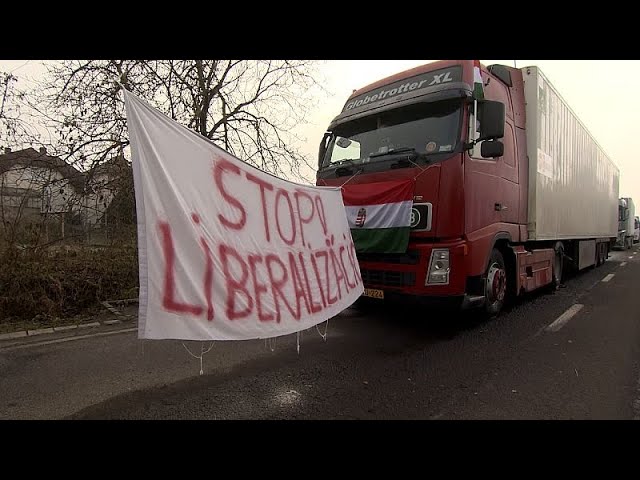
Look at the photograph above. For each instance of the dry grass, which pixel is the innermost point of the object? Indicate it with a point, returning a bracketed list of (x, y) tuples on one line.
[(43, 287)]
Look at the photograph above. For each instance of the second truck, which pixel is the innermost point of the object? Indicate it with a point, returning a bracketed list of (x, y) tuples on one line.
[(508, 188), (626, 224)]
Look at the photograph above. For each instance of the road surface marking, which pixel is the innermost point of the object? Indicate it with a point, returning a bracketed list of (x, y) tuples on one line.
[(67, 339), (564, 318), (608, 277), (630, 257), (623, 264)]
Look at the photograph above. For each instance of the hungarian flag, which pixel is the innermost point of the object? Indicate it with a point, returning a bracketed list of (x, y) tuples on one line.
[(379, 215), (478, 87)]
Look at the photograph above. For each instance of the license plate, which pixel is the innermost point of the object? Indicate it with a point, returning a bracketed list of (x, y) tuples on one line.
[(370, 292)]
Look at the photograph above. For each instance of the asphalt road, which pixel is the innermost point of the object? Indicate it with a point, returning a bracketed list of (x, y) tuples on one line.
[(392, 363)]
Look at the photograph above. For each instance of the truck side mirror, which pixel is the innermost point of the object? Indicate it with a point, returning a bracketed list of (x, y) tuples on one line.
[(492, 149), (492, 117)]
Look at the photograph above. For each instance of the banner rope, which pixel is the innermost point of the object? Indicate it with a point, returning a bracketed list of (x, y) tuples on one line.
[(202, 353), (268, 343), (422, 170), (298, 342), (324, 337), (351, 177)]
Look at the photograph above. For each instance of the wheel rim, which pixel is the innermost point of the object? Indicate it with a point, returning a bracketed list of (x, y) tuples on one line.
[(496, 284)]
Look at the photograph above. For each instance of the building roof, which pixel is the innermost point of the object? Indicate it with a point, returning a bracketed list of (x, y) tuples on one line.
[(29, 157)]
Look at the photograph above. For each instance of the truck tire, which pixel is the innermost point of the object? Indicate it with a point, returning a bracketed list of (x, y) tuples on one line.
[(495, 290)]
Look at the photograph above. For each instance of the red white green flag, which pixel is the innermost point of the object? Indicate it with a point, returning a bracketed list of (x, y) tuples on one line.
[(478, 87), (379, 215)]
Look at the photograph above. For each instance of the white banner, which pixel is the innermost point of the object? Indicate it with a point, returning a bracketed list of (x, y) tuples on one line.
[(226, 251)]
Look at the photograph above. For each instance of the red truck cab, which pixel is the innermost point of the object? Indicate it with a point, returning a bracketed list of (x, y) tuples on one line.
[(470, 198)]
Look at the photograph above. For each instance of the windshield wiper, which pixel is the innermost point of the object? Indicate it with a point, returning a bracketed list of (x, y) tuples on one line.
[(393, 151), (346, 161)]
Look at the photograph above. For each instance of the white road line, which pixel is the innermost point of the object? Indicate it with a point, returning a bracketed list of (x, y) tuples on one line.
[(608, 277), (630, 257), (564, 318), (623, 264)]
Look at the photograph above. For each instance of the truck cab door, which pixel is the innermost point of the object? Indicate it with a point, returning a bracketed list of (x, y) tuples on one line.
[(507, 192), (508, 171)]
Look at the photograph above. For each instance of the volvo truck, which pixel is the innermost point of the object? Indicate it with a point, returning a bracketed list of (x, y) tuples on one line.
[(509, 187)]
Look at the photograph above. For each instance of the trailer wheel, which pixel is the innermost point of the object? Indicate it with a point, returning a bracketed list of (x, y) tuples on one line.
[(495, 290), (558, 264)]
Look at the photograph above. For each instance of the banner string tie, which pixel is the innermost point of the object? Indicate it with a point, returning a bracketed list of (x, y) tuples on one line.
[(351, 177), (271, 342), (202, 353), (422, 170), (324, 336)]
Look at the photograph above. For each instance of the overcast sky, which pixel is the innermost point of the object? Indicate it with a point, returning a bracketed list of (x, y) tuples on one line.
[(603, 93)]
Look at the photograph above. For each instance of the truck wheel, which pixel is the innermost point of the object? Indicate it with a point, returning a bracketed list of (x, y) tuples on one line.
[(495, 290), (558, 266)]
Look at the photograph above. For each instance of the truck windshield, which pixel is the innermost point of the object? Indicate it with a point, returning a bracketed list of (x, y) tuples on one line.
[(424, 129)]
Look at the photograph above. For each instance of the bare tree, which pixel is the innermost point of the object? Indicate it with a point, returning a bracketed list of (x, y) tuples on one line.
[(249, 108), (15, 125)]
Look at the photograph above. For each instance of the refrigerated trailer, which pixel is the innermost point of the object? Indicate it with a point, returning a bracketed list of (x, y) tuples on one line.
[(509, 186)]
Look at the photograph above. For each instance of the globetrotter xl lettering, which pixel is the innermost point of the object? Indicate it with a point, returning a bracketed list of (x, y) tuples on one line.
[(416, 83)]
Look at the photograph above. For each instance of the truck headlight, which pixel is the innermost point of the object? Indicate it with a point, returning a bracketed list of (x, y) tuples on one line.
[(438, 268)]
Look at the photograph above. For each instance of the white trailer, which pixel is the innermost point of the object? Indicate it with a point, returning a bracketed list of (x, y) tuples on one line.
[(573, 184)]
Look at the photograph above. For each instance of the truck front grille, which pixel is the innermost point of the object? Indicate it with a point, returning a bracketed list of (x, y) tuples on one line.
[(412, 257), (387, 278)]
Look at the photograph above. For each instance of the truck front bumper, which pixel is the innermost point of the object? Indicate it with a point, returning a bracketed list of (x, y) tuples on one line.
[(403, 276)]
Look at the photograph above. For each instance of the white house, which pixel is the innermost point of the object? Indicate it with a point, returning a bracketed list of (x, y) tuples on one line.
[(34, 184)]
